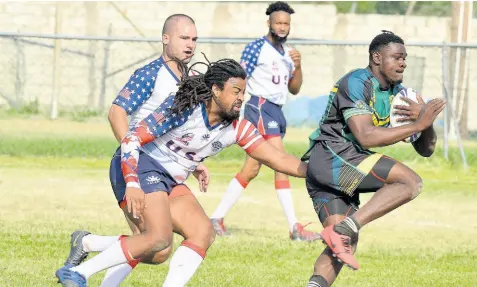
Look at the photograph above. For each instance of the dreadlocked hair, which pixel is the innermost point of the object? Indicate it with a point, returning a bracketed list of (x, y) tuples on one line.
[(384, 39), (196, 89)]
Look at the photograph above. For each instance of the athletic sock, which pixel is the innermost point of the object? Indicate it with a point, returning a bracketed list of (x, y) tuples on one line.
[(233, 193), (282, 188), (317, 281), (184, 263), (349, 227)]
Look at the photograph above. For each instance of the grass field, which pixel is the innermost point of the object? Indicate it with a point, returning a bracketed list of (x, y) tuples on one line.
[(53, 182)]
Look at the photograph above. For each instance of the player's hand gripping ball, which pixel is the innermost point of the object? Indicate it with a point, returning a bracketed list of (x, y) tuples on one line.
[(405, 109)]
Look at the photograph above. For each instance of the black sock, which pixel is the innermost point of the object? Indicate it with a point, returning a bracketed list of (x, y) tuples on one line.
[(317, 281), (349, 227)]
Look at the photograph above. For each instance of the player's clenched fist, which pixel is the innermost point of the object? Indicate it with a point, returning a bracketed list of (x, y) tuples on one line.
[(296, 57)]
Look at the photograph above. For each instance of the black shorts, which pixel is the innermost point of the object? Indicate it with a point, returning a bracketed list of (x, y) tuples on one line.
[(343, 171)]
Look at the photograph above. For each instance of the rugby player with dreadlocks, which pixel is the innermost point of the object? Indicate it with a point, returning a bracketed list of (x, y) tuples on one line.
[(155, 158), (144, 91), (341, 166)]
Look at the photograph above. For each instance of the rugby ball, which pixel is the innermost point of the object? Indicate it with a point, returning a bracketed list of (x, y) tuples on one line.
[(412, 95)]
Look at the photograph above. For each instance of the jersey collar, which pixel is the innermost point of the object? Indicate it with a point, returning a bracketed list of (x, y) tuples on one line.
[(169, 69)]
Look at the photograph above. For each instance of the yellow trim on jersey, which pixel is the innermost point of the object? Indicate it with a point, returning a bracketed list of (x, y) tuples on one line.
[(379, 122), (367, 164)]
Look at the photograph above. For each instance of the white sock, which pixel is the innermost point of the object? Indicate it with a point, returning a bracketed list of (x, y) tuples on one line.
[(182, 267), (115, 275), (110, 257), (286, 200), (234, 191), (97, 243)]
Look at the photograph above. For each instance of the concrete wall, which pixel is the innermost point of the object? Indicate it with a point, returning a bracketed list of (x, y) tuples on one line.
[(28, 72)]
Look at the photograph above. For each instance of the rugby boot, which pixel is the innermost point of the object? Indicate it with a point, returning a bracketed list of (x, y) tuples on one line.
[(299, 233), (341, 247)]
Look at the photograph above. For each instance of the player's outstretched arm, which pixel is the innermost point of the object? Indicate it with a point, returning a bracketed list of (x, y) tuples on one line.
[(278, 160), (370, 136)]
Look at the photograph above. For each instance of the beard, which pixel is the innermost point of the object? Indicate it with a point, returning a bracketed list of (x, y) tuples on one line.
[(392, 82), (231, 114), (398, 82), (278, 38)]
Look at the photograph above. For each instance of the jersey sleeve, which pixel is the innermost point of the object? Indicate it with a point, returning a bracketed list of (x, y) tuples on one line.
[(353, 95), (250, 55), (138, 89), (247, 135), (153, 126)]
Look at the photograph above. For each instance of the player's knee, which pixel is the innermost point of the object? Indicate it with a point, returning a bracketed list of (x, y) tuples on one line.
[(160, 244), (415, 187), (412, 183), (209, 235), (158, 241), (158, 257), (254, 171), (250, 172), (204, 235)]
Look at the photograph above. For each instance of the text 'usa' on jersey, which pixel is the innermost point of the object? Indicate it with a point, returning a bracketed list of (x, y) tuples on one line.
[(269, 70), (182, 141)]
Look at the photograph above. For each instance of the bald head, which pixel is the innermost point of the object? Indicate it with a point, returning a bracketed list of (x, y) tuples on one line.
[(179, 37), (174, 20)]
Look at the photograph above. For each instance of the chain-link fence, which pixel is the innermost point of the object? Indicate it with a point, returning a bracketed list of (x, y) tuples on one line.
[(86, 73)]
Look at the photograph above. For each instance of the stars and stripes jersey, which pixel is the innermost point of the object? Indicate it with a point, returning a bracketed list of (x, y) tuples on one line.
[(268, 70), (180, 142), (146, 89)]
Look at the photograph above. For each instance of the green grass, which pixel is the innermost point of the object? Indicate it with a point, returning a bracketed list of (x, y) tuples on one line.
[(52, 186), (39, 137), (102, 146), (428, 242)]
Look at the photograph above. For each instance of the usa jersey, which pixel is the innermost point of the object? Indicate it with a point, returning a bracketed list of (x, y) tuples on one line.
[(268, 70), (180, 142), (146, 89)]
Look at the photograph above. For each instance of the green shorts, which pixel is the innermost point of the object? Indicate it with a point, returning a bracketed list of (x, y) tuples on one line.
[(343, 171)]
